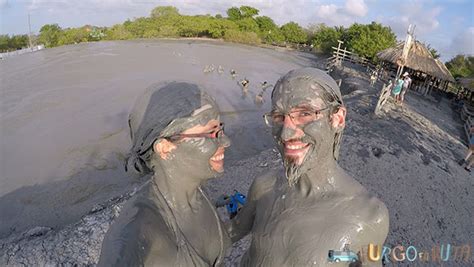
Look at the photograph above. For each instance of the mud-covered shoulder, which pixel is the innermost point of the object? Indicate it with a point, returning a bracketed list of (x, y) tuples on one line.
[(372, 217), (138, 235), (263, 184)]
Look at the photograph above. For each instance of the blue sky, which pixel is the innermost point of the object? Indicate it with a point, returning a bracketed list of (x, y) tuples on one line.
[(448, 25)]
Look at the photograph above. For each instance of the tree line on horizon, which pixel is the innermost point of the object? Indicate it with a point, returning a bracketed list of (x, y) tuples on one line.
[(242, 25)]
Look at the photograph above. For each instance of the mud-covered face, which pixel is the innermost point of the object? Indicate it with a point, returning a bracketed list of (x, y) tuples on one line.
[(212, 130), (199, 149), (304, 145), (305, 137), (288, 129)]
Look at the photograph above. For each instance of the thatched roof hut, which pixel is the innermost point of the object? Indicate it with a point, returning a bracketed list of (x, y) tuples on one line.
[(419, 59)]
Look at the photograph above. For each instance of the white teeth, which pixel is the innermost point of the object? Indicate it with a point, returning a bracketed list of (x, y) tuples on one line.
[(295, 146), (217, 158)]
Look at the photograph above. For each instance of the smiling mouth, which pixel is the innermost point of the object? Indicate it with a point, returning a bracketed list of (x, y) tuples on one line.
[(296, 151), (217, 160), (218, 157)]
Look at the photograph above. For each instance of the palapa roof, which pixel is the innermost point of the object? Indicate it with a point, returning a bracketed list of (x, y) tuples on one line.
[(419, 58)]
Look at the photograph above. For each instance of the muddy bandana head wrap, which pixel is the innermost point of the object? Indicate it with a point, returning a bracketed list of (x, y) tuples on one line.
[(163, 110)]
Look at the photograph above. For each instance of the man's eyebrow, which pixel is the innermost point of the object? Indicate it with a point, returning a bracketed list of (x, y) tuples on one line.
[(305, 106)]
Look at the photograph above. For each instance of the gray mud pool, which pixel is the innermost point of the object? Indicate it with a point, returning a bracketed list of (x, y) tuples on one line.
[(63, 117)]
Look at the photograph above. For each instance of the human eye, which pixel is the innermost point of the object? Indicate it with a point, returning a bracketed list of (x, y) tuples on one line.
[(277, 117), (303, 114)]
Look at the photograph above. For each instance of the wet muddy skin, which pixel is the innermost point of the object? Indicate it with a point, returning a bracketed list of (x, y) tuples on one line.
[(171, 221), (63, 117)]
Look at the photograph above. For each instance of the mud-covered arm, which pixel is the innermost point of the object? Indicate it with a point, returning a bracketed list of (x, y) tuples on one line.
[(242, 223)]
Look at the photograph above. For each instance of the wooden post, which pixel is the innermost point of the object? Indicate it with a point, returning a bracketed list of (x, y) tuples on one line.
[(29, 31), (430, 86), (338, 49), (423, 87), (384, 95)]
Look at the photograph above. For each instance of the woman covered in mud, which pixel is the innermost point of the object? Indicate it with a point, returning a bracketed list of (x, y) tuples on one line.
[(178, 138)]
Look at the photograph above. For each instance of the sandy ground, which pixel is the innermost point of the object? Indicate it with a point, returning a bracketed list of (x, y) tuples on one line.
[(63, 137)]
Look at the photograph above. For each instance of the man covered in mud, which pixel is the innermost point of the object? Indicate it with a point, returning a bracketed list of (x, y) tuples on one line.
[(177, 137), (298, 216)]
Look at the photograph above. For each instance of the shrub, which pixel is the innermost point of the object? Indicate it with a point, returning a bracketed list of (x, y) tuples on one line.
[(242, 37)]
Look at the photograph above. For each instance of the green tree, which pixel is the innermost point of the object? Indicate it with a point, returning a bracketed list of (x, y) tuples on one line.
[(461, 66), (164, 11), (4, 38), (50, 34), (139, 26), (248, 11), (324, 37), (294, 33), (248, 25), (218, 27), (368, 40), (18, 41), (243, 12), (118, 32), (96, 34), (234, 14), (74, 35), (433, 51), (269, 31), (14, 42), (241, 37)]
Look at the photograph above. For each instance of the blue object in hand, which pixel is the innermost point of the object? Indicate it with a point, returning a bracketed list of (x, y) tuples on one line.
[(233, 203)]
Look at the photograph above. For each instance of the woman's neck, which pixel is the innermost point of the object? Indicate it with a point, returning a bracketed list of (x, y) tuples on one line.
[(181, 192)]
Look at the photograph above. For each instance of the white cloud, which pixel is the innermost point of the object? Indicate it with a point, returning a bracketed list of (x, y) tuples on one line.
[(463, 43), (356, 8), (326, 11), (345, 15), (425, 19), (302, 11)]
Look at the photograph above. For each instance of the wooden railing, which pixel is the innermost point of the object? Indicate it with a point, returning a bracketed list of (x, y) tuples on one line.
[(21, 51), (345, 55)]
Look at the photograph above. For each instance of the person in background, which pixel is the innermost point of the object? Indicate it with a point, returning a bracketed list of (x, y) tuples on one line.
[(397, 89), (405, 87)]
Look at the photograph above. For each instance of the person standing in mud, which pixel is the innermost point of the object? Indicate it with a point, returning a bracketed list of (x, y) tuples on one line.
[(177, 137), (297, 216), (405, 86), (397, 89)]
